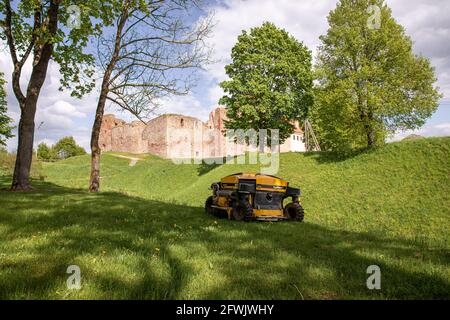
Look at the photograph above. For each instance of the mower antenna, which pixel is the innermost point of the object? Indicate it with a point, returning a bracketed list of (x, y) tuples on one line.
[(310, 138)]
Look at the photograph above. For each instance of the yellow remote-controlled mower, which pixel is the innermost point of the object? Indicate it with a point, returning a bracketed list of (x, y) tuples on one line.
[(254, 196)]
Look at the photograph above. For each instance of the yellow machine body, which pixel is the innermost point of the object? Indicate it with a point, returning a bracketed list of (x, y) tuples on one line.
[(259, 196)]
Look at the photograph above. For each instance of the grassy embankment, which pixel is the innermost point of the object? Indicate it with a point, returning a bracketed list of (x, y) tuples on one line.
[(146, 235)]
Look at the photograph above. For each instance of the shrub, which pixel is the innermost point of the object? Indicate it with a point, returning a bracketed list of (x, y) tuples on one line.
[(63, 149), (45, 153), (67, 147)]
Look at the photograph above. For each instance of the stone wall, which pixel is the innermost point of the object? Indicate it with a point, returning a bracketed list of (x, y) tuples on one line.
[(214, 138), (184, 136), (128, 138), (177, 136), (105, 139), (155, 136)]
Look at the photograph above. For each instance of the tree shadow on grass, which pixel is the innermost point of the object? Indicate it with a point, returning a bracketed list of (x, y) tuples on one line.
[(134, 248), (209, 165), (334, 156)]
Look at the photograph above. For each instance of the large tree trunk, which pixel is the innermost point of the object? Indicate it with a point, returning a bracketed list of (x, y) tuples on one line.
[(94, 184), (28, 105), (21, 178), (371, 135), (371, 142)]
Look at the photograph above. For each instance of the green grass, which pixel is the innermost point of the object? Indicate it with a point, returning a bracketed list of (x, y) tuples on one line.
[(146, 235), (7, 162)]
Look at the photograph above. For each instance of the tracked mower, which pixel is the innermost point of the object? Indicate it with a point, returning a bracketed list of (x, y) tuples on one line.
[(254, 196)]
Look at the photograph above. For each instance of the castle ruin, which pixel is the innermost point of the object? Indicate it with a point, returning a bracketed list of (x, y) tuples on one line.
[(173, 136)]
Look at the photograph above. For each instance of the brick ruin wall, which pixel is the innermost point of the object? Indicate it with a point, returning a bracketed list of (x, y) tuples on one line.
[(171, 136), (167, 136)]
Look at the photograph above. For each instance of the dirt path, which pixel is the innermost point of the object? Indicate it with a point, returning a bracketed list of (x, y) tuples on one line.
[(133, 161)]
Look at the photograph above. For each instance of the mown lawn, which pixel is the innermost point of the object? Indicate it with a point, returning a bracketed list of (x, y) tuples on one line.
[(146, 235)]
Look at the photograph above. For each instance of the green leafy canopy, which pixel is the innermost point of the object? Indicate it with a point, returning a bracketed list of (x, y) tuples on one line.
[(76, 65), (370, 82), (64, 148), (5, 121), (270, 81)]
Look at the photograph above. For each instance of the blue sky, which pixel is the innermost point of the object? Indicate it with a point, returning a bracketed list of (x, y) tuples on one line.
[(425, 21)]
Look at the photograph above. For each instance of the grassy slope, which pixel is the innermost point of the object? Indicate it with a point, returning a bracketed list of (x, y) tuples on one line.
[(147, 236)]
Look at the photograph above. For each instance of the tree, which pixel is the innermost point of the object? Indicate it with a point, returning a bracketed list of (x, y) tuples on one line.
[(63, 149), (32, 30), (44, 152), (151, 52), (370, 83), (67, 147), (270, 81), (5, 121)]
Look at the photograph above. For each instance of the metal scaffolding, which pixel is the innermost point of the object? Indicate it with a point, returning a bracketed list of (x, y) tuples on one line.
[(310, 138)]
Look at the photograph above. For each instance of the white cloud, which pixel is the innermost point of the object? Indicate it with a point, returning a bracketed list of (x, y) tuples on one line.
[(48, 142), (52, 122), (214, 94), (428, 25), (60, 114), (65, 109), (436, 130), (305, 20), (425, 21), (186, 105)]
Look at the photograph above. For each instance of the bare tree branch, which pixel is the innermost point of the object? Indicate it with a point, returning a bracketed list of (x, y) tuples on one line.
[(158, 54)]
